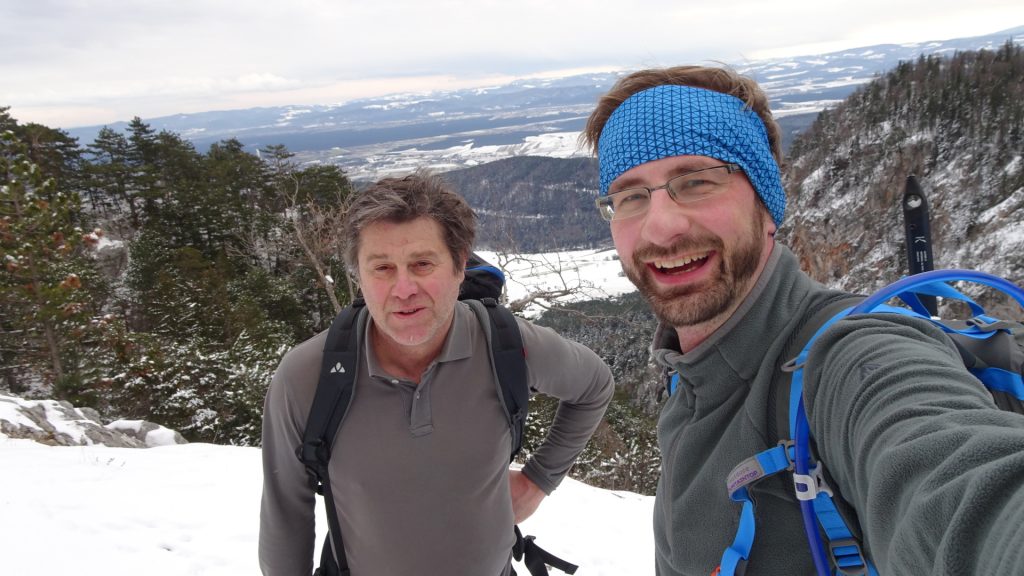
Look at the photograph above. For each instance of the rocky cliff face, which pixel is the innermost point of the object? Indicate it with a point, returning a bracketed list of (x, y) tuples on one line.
[(958, 124)]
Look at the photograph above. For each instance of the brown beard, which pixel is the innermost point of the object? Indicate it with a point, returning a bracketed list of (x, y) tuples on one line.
[(696, 304)]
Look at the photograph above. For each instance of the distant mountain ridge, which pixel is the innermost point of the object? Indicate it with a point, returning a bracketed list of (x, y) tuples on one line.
[(956, 123), (453, 129)]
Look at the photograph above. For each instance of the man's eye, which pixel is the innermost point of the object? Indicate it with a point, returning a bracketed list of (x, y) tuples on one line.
[(690, 183), (695, 188), (629, 197)]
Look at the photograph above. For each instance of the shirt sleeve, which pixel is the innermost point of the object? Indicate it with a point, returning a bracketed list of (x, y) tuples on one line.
[(287, 529), (933, 468), (584, 386)]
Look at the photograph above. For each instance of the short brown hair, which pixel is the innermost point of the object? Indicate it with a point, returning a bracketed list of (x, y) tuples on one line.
[(721, 80), (400, 200)]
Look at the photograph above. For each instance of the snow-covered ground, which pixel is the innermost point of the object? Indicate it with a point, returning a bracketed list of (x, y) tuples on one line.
[(193, 509), (388, 161), (589, 274)]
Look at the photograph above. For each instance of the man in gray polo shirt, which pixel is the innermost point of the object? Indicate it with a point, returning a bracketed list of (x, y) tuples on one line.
[(420, 469)]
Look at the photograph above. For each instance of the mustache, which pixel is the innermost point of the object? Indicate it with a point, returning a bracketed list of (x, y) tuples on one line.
[(689, 244)]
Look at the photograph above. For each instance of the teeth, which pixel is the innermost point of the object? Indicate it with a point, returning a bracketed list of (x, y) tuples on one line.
[(664, 264)]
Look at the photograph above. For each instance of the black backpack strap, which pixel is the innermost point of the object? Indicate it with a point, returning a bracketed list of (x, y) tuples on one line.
[(536, 558), (330, 404), (509, 358)]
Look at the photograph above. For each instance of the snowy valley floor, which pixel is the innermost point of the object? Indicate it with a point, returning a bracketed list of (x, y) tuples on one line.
[(193, 509)]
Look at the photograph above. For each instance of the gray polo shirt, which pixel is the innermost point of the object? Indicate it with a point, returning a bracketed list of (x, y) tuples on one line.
[(420, 473)]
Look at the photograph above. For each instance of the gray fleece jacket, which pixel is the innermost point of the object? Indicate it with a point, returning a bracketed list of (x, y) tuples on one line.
[(934, 471)]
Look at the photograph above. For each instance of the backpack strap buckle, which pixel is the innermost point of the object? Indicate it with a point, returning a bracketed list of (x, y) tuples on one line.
[(848, 558), (985, 323), (314, 456), (536, 558), (809, 485)]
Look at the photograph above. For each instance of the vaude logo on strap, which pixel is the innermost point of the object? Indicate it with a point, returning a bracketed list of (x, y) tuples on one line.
[(338, 369)]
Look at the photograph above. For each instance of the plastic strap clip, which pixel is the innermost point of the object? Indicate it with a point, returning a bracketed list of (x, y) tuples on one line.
[(808, 486)]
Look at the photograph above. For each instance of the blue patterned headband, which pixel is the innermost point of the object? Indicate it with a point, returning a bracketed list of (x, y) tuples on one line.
[(673, 120)]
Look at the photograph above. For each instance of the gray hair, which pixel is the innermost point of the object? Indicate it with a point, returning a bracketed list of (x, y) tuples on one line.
[(400, 200)]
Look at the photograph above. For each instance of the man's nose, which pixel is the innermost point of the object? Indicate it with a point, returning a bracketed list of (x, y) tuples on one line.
[(405, 285), (665, 219)]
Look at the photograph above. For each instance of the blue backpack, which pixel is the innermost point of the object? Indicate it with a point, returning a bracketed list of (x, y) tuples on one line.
[(991, 349)]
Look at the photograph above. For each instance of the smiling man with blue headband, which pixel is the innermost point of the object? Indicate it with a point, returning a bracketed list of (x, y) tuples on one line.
[(690, 185), (695, 251)]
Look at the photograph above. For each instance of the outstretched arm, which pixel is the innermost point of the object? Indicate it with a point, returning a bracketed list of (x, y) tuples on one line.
[(919, 448)]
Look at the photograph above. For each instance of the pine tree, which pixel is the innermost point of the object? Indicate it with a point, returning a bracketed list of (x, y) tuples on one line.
[(44, 308), (107, 183)]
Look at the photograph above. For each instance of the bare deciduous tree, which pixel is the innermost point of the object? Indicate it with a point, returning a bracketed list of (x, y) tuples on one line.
[(315, 203), (319, 231)]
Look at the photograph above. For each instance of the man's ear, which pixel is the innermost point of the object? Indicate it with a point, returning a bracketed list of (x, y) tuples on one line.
[(460, 263), (770, 228)]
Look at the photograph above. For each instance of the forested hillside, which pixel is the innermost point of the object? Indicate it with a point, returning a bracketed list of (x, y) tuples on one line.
[(149, 281), (958, 124), (534, 204)]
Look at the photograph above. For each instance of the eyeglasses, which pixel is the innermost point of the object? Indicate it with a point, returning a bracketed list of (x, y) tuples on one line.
[(685, 188)]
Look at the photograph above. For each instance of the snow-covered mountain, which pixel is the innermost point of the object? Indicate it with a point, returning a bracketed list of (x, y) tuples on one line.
[(452, 129)]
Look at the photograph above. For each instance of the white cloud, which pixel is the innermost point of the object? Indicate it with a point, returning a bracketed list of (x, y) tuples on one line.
[(153, 58)]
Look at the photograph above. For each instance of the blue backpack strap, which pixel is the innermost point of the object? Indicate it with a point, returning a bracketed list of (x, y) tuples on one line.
[(1007, 386), (762, 465), (940, 289), (671, 382), (926, 281), (774, 460), (735, 558), (816, 499)]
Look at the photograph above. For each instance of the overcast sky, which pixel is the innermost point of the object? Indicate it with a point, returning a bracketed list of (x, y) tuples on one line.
[(68, 63)]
